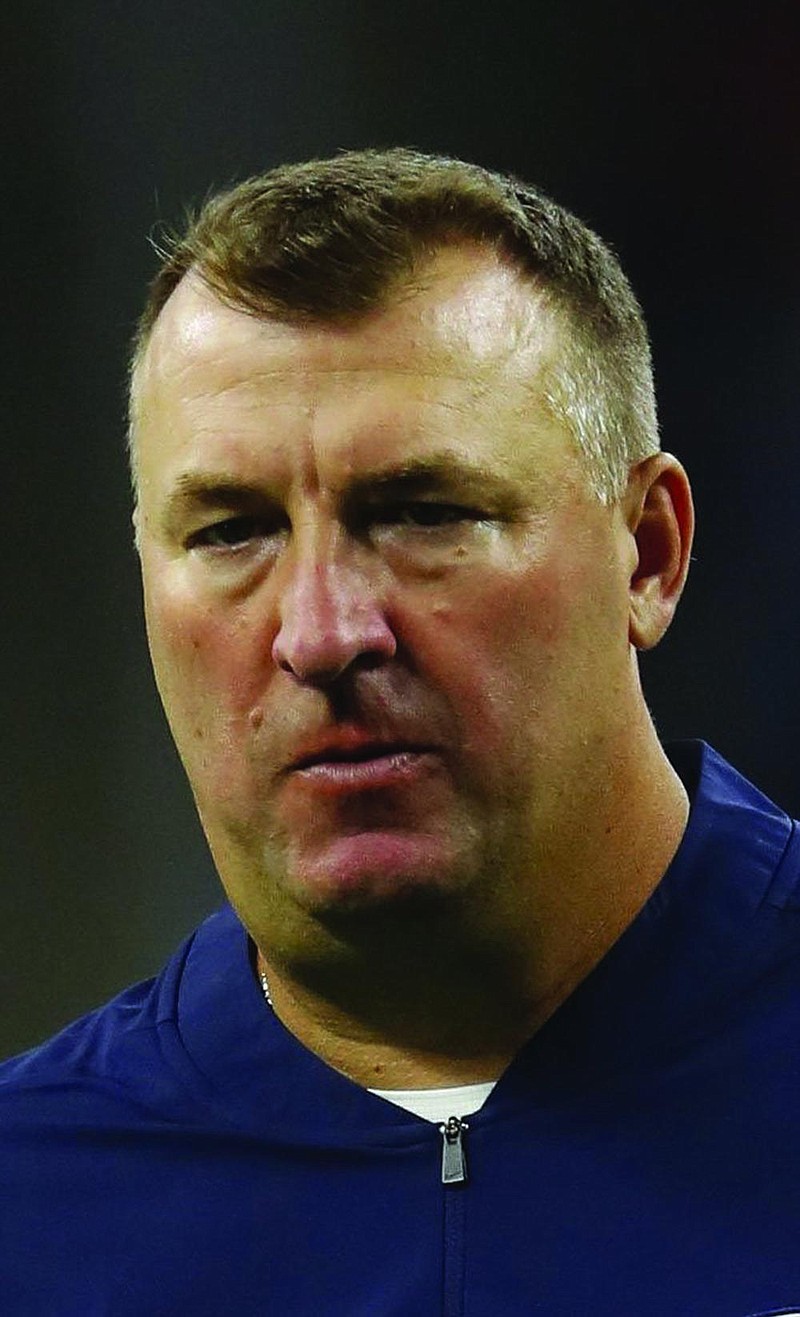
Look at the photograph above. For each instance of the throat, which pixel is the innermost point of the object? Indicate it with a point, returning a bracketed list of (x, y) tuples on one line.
[(417, 1055)]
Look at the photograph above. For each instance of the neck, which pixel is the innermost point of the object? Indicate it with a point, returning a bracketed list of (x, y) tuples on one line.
[(441, 996)]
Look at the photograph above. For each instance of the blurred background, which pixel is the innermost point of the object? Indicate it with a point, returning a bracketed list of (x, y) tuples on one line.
[(672, 129)]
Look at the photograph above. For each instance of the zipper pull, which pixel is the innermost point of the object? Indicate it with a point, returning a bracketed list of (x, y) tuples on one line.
[(454, 1159)]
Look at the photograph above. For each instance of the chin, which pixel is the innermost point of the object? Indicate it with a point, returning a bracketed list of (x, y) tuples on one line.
[(374, 870)]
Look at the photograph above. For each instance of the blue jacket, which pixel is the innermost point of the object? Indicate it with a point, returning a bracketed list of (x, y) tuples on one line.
[(179, 1152)]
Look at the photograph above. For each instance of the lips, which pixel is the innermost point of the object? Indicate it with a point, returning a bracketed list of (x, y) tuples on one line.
[(352, 744), (350, 760), (337, 753)]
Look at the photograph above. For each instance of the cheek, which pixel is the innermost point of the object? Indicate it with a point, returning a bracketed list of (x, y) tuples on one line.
[(490, 650), (209, 674), (511, 621), (517, 655)]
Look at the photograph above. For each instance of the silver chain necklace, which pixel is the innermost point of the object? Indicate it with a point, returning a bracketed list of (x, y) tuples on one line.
[(262, 978)]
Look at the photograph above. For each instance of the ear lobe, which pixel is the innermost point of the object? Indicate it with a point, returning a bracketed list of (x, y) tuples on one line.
[(660, 518)]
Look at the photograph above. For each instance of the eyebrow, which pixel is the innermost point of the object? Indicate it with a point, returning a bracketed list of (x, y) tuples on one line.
[(199, 489), (428, 474), (208, 489)]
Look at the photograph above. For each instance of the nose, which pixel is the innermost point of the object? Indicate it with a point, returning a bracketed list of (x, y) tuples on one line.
[(331, 617)]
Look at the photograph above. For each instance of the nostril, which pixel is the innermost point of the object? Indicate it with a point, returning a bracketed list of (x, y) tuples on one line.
[(322, 659), (316, 673)]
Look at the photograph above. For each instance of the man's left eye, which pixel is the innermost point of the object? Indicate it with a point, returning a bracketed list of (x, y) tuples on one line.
[(426, 514)]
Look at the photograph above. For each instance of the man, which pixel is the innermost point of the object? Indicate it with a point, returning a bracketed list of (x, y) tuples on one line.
[(504, 1020)]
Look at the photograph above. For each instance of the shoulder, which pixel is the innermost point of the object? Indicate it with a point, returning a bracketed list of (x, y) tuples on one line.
[(115, 1063), (127, 1064), (736, 832), (89, 1064)]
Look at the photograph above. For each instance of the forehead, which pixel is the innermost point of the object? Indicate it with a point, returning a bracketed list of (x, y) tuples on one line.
[(464, 303), (467, 336)]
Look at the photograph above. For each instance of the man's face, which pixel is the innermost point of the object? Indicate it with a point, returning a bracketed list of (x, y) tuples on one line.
[(388, 619)]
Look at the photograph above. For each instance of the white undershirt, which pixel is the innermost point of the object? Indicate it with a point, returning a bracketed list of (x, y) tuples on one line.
[(439, 1104)]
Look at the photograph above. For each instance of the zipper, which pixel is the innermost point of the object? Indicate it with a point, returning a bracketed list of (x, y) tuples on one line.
[(454, 1157), (454, 1177)]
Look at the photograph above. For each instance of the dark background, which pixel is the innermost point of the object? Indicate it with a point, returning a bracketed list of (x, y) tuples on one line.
[(672, 128)]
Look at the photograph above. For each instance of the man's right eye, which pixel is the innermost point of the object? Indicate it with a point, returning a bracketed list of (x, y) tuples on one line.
[(230, 533)]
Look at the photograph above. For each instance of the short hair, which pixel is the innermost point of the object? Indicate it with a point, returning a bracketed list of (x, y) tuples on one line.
[(330, 240)]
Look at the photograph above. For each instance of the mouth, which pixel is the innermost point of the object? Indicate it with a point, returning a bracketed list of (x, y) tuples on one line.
[(370, 765), (336, 753)]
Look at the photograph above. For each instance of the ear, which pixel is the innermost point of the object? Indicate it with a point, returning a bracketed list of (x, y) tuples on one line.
[(660, 519)]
